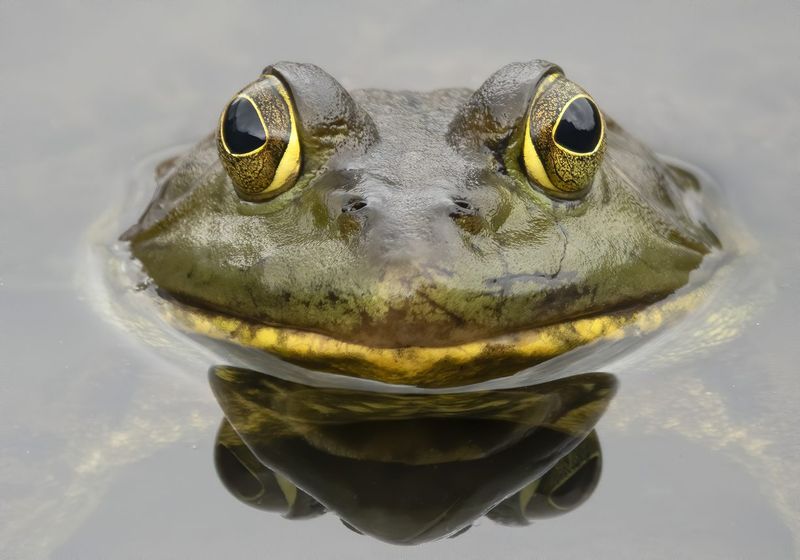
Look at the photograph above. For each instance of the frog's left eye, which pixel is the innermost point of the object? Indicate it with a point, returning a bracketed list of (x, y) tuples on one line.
[(257, 140), (564, 137)]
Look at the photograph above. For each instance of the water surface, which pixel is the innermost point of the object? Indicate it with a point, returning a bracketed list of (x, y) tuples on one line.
[(106, 440)]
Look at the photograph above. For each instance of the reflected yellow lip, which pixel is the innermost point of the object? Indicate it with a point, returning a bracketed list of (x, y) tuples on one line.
[(429, 366)]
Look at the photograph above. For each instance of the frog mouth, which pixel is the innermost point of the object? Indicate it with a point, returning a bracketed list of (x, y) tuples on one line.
[(430, 366)]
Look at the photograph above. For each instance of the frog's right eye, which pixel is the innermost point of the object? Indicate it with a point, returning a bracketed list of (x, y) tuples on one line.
[(257, 140), (564, 138)]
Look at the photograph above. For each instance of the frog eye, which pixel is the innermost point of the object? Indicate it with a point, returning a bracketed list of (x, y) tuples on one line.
[(564, 137), (257, 140)]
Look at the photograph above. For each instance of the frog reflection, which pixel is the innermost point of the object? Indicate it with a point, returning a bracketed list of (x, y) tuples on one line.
[(410, 468)]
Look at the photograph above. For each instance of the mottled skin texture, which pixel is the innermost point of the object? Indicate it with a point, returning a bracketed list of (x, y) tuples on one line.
[(413, 223)]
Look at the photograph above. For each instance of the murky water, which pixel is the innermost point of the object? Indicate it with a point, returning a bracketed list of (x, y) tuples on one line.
[(108, 430)]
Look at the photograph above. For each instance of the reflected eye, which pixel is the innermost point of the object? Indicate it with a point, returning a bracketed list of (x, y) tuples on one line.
[(564, 138), (257, 140)]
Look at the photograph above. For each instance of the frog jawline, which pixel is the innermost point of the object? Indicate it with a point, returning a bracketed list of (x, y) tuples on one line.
[(429, 366)]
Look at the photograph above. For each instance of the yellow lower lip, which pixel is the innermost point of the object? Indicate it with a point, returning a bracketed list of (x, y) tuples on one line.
[(433, 366)]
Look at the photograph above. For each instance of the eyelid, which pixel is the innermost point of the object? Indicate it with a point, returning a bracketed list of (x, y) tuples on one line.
[(544, 84)]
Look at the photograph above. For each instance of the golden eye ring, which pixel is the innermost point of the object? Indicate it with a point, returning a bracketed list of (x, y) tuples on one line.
[(257, 140), (565, 137)]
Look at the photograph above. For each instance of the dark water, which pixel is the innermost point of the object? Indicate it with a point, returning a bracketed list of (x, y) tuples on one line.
[(107, 430)]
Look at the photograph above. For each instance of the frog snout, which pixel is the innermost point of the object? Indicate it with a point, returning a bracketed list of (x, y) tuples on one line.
[(370, 214)]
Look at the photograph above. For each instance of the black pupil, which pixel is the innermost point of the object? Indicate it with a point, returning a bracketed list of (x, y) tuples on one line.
[(241, 127), (579, 129)]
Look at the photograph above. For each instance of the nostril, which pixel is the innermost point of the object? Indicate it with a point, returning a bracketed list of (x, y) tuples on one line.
[(466, 216), (354, 205), (462, 208)]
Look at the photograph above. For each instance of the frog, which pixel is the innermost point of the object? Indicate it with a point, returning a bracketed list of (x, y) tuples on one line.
[(429, 239)]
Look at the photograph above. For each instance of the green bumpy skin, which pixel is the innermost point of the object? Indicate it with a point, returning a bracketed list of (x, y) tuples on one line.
[(412, 222)]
